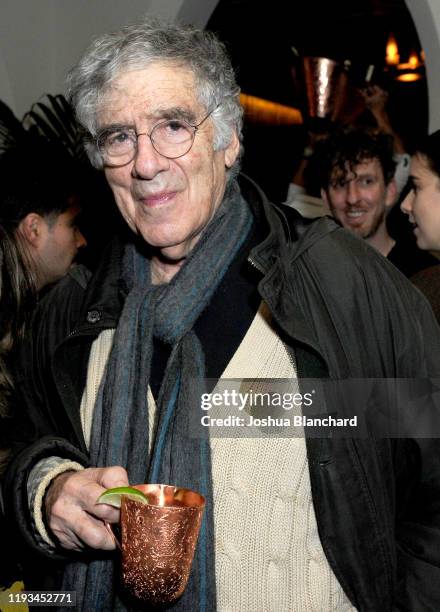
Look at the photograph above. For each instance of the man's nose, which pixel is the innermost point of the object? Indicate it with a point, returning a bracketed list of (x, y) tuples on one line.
[(352, 194), (148, 162)]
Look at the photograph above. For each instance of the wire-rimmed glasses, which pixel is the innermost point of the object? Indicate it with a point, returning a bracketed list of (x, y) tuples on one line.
[(172, 138)]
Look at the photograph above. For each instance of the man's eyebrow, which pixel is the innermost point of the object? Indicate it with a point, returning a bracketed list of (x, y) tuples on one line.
[(176, 112), (113, 127), (164, 114)]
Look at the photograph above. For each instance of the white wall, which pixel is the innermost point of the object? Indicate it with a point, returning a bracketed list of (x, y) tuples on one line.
[(41, 39), (426, 17)]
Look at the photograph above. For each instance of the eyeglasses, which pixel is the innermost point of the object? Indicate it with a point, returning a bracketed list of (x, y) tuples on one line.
[(172, 139)]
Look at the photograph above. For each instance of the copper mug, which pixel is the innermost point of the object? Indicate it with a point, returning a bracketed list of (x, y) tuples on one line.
[(158, 541)]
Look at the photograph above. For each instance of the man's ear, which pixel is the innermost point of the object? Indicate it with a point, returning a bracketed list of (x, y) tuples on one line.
[(391, 194), (232, 151), (31, 229), (324, 198)]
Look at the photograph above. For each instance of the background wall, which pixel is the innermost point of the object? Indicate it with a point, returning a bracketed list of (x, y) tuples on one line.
[(426, 17), (41, 39)]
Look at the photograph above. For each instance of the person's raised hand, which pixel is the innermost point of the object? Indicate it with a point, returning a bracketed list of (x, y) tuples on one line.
[(375, 98)]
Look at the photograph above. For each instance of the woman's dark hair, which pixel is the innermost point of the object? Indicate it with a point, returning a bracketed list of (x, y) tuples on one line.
[(17, 296), (429, 147)]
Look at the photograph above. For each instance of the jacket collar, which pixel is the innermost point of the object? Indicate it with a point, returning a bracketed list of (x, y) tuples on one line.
[(289, 236), (286, 229)]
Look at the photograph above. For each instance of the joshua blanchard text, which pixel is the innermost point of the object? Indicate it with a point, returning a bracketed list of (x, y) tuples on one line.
[(294, 421)]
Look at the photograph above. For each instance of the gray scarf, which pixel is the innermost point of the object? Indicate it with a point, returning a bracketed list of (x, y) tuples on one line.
[(120, 428)]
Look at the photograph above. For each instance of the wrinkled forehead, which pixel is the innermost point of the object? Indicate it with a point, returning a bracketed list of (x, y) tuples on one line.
[(148, 92)]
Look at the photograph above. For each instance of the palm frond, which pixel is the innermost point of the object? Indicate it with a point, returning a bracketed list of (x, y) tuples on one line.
[(54, 119), (11, 130)]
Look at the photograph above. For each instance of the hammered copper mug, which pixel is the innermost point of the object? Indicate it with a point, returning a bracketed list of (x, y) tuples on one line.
[(158, 541)]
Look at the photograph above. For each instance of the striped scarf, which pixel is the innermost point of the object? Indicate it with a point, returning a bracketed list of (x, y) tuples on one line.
[(120, 430)]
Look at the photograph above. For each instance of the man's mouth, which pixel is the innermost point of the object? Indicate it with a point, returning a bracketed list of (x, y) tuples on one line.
[(157, 199), (355, 217), (355, 214)]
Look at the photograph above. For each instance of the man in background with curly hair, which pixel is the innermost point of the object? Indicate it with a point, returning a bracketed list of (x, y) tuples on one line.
[(356, 172)]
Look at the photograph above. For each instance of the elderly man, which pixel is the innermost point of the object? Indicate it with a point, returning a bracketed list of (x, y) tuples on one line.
[(357, 175), (214, 281)]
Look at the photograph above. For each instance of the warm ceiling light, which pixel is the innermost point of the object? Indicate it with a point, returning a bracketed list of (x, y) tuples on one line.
[(409, 77), (413, 60), (412, 64), (410, 71), (265, 111), (392, 52)]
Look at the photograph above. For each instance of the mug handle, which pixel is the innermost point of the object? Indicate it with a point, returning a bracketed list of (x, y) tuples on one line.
[(114, 536)]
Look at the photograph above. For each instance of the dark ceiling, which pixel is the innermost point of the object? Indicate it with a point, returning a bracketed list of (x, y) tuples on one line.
[(260, 34)]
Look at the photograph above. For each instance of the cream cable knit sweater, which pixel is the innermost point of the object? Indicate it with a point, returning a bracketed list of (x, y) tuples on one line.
[(269, 556)]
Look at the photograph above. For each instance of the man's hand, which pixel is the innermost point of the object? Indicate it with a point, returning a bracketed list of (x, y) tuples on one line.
[(376, 99), (71, 510)]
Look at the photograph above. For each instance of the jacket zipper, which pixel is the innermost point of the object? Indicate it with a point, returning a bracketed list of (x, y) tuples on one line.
[(256, 265), (91, 330)]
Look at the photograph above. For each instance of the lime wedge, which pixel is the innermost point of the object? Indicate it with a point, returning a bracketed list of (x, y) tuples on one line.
[(112, 497)]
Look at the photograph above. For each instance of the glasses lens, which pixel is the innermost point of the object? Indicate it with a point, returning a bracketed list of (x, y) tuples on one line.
[(117, 143), (172, 138)]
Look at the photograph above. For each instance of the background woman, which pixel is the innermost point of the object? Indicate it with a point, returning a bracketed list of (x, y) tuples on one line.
[(422, 205), (17, 296)]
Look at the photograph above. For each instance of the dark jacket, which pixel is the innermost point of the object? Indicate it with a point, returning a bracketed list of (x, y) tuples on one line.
[(347, 313), (428, 282), (409, 259)]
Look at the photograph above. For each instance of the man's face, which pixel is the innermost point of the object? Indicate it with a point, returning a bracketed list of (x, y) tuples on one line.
[(360, 199), (60, 241), (168, 202)]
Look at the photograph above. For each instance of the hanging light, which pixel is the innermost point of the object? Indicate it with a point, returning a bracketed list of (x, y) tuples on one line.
[(392, 51), (412, 70), (409, 77), (414, 60), (406, 72), (412, 64)]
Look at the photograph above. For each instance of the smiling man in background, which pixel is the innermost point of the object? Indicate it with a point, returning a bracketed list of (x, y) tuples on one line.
[(356, 171)]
